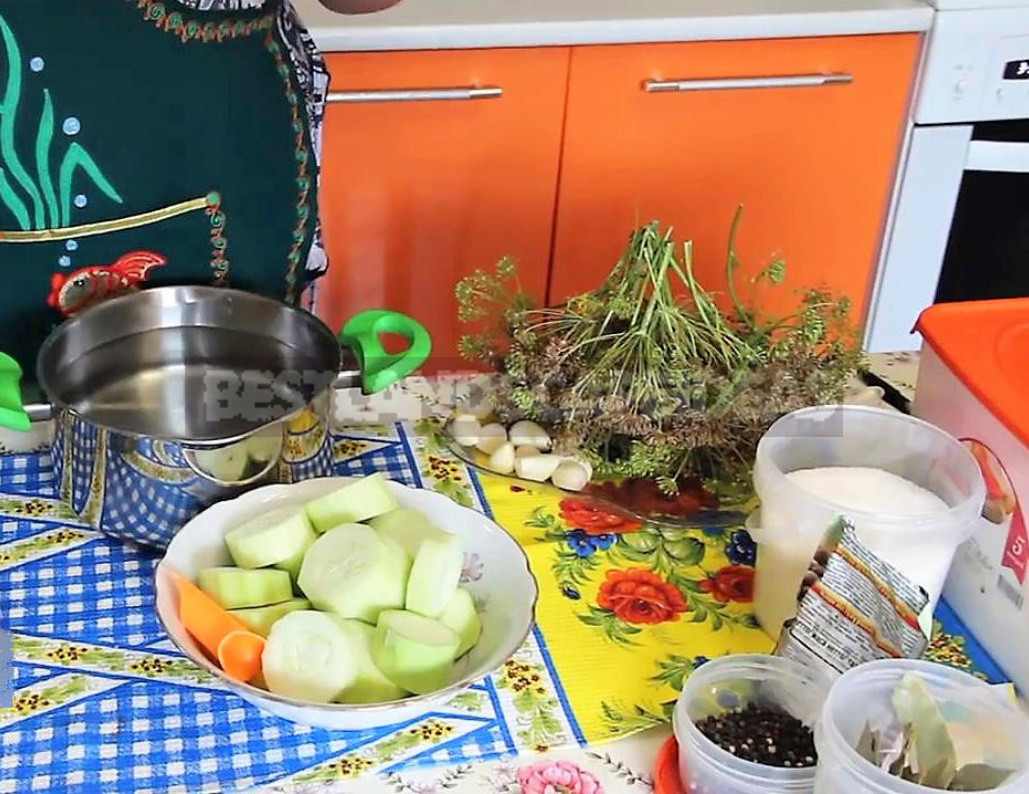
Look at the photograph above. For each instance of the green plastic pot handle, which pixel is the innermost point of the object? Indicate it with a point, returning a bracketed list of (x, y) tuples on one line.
[(380, 369), (12, 410)]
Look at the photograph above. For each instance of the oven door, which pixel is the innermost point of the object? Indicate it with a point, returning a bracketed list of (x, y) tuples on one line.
[(960, 228)]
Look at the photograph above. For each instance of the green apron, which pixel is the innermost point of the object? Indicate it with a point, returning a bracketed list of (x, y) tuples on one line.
[(145, 143)]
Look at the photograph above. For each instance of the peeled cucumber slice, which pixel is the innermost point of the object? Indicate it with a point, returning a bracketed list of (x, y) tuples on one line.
[(225, 463), (309, 656), (265, 445), (261, 619), (414, 652), (370, 685), (354, 572), (292, 565), (435, 574), (462, 618), (270, 538), (407, 527), (358, 501), (236, 588)]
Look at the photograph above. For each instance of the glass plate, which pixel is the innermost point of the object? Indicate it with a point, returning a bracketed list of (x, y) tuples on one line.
[(639, 499)]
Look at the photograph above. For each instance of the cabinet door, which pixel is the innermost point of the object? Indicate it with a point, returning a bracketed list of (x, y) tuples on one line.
[(419, 189), (812, 164)]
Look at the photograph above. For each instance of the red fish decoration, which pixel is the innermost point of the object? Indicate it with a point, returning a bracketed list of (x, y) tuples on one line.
[(74, 292)]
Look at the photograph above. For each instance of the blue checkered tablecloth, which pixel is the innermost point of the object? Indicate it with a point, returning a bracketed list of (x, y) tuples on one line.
[(103, 702)]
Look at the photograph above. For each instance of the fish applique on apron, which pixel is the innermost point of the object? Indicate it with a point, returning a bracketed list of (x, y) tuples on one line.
[(148, 143), (88, 285)]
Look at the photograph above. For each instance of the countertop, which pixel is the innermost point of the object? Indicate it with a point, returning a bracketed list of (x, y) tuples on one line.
[(458, 24)]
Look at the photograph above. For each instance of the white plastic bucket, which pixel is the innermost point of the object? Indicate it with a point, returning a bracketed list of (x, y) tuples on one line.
[(792, 521), (732, 682), (864, 693)]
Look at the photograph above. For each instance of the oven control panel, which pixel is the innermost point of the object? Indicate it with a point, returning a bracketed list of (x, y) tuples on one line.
[(976, 67)]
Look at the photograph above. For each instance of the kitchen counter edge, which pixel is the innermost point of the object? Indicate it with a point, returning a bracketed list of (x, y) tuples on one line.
[(503, 23)]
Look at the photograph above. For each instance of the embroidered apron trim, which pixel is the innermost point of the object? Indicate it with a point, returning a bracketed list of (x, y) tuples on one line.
[(206, 32), (102, 227), (303, 176), (210, 203)]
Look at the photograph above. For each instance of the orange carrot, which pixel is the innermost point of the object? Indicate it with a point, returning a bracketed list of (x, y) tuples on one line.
[(202, 616), (239, 654)]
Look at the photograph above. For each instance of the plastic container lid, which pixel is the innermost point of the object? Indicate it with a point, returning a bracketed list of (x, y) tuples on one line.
[(984, 344)]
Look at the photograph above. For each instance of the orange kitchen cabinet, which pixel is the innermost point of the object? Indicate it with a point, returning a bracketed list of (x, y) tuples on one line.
[(417, 194), (812, 165)]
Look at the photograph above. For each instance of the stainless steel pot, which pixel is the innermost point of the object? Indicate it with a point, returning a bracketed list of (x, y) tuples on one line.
[(169, 399)]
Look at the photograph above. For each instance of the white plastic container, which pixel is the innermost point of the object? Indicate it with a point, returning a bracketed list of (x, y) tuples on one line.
[(973, 381), (792, 520), (732, 682), (863, 694)]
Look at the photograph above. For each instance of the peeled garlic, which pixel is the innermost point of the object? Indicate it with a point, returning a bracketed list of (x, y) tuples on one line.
[(491, 438), (537, 468), (571, 475), (502, 460), (529, 434), (521, 452), (465, 430)]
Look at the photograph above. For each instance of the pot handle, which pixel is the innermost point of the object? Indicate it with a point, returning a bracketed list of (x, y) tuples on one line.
[(380, 369), (13, 415)]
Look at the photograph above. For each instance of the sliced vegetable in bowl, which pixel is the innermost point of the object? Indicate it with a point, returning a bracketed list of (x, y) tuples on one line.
[(376, 610)]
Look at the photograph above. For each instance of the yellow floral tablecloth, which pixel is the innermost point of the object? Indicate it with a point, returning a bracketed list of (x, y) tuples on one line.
[(628, 610)]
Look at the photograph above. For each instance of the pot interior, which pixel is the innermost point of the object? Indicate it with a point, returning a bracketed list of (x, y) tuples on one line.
[(198, 365)]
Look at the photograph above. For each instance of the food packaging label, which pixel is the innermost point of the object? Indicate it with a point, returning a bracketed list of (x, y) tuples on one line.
[(853, 608)]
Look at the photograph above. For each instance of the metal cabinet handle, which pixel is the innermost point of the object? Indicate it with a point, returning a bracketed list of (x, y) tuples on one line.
[(728, 83), (417, 94)]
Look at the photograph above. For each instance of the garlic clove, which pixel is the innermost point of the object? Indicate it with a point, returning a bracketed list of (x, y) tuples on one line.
[(521, 452), (538, 468), (529, 434), (581, 462), (571, 475), (502, 460), (465, 430), (491, 438)]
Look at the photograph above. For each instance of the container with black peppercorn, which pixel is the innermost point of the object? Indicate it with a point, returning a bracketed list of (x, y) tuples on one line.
[(744, 724)]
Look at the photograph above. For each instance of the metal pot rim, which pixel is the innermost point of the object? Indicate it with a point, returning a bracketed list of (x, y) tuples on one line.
[(197, 294)]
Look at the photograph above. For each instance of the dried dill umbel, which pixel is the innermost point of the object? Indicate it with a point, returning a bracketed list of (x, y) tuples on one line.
[(646, 376)]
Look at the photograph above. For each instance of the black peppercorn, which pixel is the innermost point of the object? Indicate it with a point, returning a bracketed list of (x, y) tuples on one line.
[(763, 734)]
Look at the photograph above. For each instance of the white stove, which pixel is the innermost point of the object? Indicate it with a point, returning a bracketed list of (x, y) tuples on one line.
[(959, 225)]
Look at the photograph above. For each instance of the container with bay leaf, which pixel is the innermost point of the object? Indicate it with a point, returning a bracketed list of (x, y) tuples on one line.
[(909, 727)]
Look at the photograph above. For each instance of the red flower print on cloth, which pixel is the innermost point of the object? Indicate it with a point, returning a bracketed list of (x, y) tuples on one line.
[(732, 583), (639, 596), (581, 514)]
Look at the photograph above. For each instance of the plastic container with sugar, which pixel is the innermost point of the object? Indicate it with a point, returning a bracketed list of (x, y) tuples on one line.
[(733, 682), (792, 520), (863, 696)]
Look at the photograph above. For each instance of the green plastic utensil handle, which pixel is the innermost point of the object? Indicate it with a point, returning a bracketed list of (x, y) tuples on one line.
[(12, 410), (380, 369)]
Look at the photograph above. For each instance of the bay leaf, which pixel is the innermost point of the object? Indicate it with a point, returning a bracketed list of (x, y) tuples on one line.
[(979, 777)]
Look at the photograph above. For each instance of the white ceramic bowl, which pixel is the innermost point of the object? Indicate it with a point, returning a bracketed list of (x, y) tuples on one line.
[(496, 572)]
